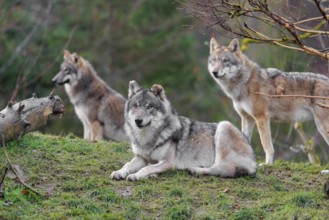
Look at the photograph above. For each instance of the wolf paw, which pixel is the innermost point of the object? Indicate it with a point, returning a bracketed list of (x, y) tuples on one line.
[(324, 172), (195, 170), (153, 176), (133, 177), (118, 175), (263, 164)]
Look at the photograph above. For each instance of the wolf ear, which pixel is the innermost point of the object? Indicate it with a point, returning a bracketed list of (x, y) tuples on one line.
[(133, 88), (234, 45), (67, 54), (75, 58), (158, 91), (214, 45)]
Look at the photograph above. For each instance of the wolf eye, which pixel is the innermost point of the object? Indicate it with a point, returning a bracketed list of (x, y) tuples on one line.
[(66, 70), (149, 107), (225, 60), (135, 105)]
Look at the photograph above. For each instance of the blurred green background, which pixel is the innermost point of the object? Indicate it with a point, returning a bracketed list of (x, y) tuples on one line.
[(145, 40)]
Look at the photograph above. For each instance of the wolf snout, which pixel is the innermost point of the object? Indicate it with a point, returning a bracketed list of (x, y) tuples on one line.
[(54, 80), (215, 73), (59, 80), (218, 74), (139, 123)]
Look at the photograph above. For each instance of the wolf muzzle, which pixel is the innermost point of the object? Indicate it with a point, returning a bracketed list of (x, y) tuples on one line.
[(139, 123), (216, 74), (58, 81)]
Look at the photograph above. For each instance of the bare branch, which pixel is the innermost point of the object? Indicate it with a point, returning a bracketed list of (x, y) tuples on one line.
[(19, 48), (314, 31), (322, 105), (59, 56), (227, 15), (16, 173), (309, 19), (274, 41), (323, 13)]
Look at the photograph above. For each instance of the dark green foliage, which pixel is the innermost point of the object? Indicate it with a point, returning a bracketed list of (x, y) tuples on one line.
[(146, 41)]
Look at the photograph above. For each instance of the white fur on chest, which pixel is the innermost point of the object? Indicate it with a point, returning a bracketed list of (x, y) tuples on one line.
[(152, 154), (68, 89), (81, 110), (82, 113), (244, 105)]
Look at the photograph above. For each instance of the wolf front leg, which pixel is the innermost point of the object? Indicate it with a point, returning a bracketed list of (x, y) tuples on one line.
[(165, 157), (264, 130), (151, 170), (247, 121), (86, 131), (247, 125), (132, 166)]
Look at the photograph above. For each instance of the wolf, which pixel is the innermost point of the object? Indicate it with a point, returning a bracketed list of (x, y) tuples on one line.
[(256, 92), (162, 140), (99, 107)]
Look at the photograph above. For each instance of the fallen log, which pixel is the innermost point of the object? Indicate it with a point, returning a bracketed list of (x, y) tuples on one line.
[(38, 110), (12, 123), (28, 115)]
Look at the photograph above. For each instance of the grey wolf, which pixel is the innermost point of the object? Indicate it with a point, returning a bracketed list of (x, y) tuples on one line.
[(99, 107), (162, 140), (243, 81)]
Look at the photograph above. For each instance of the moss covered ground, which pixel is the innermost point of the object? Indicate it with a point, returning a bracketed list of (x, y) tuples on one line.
[(73, 174)]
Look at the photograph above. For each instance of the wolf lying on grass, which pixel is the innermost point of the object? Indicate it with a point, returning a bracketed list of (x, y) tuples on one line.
[(162, 140), (244, 82), (100, 108)]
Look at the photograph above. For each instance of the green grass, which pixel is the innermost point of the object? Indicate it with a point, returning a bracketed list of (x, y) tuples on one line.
[(74, 176)]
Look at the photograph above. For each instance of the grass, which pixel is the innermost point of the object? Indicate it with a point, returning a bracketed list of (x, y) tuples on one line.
[(74, 175)]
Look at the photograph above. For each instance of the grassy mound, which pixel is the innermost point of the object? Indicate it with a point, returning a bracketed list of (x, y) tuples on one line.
[(74, 175)]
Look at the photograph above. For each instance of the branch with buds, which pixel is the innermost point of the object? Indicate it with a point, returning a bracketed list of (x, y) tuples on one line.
[(265, 21)]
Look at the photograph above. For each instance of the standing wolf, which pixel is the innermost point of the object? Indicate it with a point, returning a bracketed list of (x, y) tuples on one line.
[(162, 140), (100, 108), (241, 78)]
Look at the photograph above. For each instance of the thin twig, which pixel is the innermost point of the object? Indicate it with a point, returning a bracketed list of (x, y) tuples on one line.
[(322, 105), (20, 79), (2, 184), (311, 31), (323, 13), (46, 70), (309, 19), (274, 41), (15, 172), (308, 146), (19, 48), (290, 96), (4, 175)]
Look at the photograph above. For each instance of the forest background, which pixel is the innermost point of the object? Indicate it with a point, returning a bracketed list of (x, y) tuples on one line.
[(144, 40)]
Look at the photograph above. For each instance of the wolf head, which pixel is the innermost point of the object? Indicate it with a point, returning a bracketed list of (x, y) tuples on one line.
[(70, 69), (224, 62), (146, 108)]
